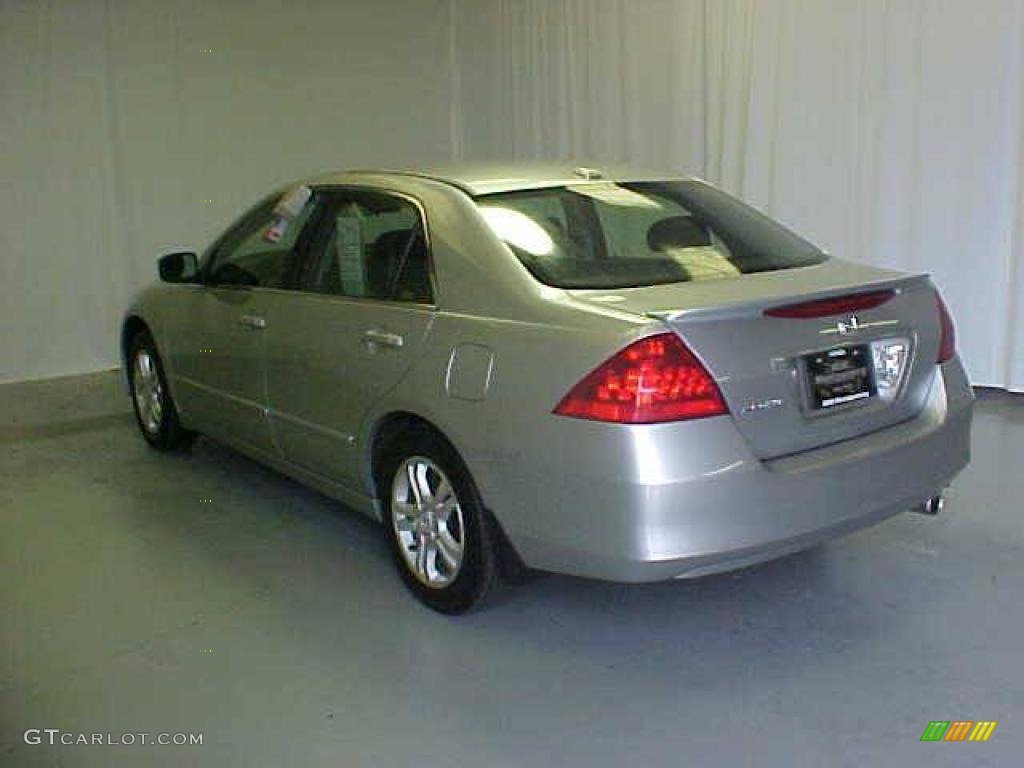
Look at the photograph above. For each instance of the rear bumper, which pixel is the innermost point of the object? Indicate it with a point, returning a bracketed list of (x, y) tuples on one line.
[(696, 501)]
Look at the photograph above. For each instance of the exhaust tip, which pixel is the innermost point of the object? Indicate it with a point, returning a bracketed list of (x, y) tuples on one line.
[(931, 506)]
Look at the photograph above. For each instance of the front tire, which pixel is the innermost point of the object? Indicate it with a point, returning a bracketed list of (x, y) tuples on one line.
[(155, 412), (438, 529)]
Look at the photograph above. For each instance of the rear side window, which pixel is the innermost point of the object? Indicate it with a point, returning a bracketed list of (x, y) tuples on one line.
[(371, 245), (619, 235)]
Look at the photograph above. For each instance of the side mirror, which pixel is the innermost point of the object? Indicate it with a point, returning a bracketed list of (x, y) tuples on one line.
[(179, 267)]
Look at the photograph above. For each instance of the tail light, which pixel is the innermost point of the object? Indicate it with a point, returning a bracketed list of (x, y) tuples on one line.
[(653, 380), (947, 333)]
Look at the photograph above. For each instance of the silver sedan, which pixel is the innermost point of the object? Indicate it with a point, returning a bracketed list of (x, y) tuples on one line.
[(602, 371)]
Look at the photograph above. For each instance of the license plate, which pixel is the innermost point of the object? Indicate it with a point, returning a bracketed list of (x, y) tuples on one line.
[(839, 376)]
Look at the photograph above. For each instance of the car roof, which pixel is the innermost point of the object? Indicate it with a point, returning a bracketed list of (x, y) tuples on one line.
[(488, 178)]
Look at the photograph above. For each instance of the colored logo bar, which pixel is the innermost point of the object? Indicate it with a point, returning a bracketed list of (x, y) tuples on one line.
[(958, 730)]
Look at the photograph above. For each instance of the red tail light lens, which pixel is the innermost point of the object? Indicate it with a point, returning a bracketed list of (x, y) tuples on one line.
[(653, 380), (836, 305), (947, 335)]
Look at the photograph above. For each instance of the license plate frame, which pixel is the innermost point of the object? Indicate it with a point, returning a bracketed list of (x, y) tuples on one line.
[(839, 377)]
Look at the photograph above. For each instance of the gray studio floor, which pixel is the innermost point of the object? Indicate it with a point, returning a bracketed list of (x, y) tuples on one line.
[(202, 593)]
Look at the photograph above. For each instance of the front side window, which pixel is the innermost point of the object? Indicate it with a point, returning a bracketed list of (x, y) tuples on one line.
[(621, 235), (371, 246), (264, 249)]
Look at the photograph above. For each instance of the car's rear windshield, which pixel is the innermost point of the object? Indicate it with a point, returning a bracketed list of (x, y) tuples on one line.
[(631, 234)]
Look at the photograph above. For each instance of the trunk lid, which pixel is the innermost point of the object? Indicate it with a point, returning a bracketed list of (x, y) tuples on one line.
[(768, 368)]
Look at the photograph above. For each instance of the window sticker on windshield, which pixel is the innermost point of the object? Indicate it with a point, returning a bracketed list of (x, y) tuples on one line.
[(293, 201), (287, 209), (613, 194), (277, 227), (348, 250)]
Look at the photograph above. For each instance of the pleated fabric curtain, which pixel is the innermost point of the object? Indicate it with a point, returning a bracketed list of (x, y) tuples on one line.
[(132, 127), (889, 131)]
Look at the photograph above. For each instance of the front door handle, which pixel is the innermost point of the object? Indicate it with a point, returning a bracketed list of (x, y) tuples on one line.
[(252, 322), (382, 339)]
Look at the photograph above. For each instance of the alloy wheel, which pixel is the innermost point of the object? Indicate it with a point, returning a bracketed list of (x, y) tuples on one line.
[(149, 393), (428, 522)]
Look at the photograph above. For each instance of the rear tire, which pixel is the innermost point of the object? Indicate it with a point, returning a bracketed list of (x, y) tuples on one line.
[(440, 535), (155, 412)]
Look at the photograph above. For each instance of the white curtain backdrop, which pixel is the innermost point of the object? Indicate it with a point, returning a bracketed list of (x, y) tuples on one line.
[(889, 131), (129, 127)]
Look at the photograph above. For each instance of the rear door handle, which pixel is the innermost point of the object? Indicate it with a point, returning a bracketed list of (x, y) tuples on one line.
[(252, 322), (382, 339)]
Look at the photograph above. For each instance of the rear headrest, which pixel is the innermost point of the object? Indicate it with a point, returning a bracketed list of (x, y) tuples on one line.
[(677, 232), (386, 260)]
